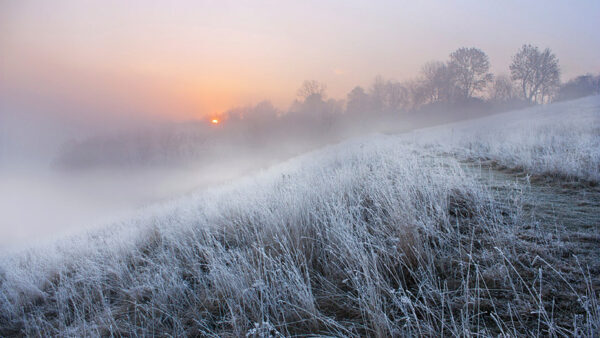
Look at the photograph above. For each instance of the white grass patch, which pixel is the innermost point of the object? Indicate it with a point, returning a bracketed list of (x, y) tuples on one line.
[(556, 140), (322, 243)]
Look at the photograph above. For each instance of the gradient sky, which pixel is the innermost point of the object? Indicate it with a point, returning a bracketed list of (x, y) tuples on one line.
[(186, 59)]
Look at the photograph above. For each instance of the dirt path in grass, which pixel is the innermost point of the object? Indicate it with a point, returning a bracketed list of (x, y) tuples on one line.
[(550, 204), (561, 217)]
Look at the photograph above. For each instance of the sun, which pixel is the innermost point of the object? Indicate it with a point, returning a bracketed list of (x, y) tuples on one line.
[(214, 121)]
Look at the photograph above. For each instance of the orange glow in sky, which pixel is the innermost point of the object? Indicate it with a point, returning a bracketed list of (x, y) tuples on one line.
[(198, 58)]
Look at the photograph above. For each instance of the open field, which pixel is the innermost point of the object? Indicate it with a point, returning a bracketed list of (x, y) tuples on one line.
[(379, 236)]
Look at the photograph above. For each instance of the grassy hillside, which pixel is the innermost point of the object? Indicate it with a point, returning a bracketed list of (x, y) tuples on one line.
[(373, 237), (560, 140)]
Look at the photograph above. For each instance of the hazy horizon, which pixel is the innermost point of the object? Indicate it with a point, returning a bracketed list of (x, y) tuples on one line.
[(97, 61)]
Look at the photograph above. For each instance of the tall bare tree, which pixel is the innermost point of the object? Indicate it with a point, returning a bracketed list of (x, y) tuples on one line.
[(536, 71), (470, 67)]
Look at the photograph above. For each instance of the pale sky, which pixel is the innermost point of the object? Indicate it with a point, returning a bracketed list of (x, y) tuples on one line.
[(188, 59)]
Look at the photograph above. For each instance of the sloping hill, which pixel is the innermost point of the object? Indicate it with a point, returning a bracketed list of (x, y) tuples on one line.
[(381, 236)]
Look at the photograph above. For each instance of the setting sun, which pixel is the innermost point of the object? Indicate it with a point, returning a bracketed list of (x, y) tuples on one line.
[(214, 121)]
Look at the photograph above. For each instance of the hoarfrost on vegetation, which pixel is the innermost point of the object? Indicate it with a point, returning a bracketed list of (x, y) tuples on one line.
[(372, 237), (560, 140)]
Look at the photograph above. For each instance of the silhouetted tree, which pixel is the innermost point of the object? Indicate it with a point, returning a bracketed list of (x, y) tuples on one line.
[(312, 88), (388, 96), (437, 82), (417, 96), (470, 68), (536, 71), (397, 96)]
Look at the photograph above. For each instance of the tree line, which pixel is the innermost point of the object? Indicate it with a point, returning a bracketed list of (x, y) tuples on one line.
[(444, 91), (464, 81), (534, 79), (460, 87)]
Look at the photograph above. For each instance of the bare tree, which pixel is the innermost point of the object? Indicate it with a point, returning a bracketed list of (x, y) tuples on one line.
[(397, 96), (536, 71), (312, 88), (470, 67), (390, 96), (417, 95), (502, 89), (437, 82)]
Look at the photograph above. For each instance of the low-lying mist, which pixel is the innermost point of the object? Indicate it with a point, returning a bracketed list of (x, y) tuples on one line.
[(64, 183), (43, 203), (82, 183)]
